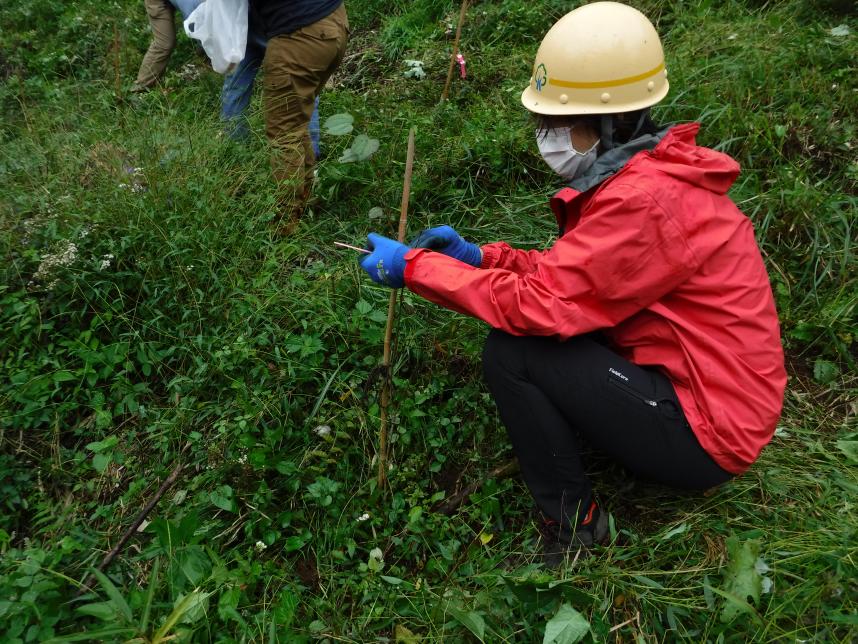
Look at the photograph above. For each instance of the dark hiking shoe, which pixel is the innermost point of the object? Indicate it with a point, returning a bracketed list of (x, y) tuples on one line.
[(558, 543)]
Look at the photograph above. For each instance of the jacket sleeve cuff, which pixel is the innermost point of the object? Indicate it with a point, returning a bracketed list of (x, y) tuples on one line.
[(411, 258), (491, 254)]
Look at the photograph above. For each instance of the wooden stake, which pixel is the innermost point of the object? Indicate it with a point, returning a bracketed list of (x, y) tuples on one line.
[(117, 78), (455, 51), (109, 557), (387, 382)]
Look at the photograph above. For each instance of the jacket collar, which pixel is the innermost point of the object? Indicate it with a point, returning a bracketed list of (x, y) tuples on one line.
[(612, 161), (606, 166)]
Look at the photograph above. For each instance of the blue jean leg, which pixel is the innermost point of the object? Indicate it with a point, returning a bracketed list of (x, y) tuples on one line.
[(186, 7), (315, 131), (238, 88)]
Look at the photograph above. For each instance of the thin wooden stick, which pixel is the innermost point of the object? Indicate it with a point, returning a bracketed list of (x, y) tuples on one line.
[(387, 382), (350, 247), (500, 472), (110, 556), (625, 623), (455, 51)]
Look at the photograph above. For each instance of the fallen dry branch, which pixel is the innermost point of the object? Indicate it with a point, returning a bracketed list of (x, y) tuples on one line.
[(501, 472), (110, 556)]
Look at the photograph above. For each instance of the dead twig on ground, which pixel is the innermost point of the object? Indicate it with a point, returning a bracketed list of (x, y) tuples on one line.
[(110, 556), (500, 472)]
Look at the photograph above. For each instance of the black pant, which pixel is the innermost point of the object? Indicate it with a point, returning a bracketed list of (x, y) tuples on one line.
[(549, 393)]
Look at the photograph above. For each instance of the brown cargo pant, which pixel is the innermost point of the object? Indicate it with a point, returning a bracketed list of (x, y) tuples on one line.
[(162, 18), (296, 67)]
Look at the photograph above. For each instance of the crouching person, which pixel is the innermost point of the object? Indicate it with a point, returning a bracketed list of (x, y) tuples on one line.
[(648, 329)]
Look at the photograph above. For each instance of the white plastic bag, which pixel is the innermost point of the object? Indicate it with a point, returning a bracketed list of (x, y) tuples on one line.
[(221, 28)]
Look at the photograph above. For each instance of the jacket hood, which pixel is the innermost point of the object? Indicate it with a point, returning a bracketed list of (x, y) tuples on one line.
[(678, 155)]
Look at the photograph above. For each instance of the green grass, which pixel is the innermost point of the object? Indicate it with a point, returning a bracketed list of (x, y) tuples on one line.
[(205, 341)]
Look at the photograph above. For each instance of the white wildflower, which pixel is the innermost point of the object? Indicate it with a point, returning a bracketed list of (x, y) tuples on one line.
[(363, 517), (242, 460), (376, 560), (105, 261), (322, 430), (780, 432), (415, 69), (65, 254), (136, 186), (189, 72), (30, 226), (260, 546)]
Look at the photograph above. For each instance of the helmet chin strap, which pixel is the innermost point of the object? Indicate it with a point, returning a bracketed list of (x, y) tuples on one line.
[(607, 125), (607, 136), (641, 119)]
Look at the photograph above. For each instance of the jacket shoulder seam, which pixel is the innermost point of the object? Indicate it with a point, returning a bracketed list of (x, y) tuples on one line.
[(668, 216)]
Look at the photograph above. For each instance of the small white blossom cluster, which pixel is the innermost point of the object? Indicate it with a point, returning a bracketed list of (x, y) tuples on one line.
[(32, 225), (105, 261), (189, 72), (260, 546), (242, 459), (65, 254), (136, 185), (363, 517)]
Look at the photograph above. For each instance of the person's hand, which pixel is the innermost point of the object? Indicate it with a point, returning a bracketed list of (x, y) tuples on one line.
[(447, 241), (385, 265)]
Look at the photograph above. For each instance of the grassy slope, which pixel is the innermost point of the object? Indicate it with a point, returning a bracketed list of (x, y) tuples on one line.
[(209, 343)]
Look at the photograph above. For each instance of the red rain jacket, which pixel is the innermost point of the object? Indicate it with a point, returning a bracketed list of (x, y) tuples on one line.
[(660, 260)]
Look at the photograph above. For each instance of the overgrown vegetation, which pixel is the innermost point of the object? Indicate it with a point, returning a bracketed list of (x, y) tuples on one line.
[(149, 318)]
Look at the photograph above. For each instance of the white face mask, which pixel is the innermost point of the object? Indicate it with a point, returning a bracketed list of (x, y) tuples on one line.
[(556, 148)]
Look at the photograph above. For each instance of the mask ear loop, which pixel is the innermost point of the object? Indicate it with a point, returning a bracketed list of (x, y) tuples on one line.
[(607, 137)]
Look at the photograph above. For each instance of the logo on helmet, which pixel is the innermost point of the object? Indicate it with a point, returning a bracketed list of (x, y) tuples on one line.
[(540, 77)]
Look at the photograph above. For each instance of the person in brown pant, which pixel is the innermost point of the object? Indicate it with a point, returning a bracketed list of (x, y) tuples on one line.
[(306, 42), (162, 19)]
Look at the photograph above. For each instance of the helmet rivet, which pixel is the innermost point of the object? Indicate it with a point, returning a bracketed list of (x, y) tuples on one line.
[(563, 99), (650, 86), (606, 97)]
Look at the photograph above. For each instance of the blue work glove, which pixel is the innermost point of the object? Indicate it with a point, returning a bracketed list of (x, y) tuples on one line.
[(386, 263), (447, 241)]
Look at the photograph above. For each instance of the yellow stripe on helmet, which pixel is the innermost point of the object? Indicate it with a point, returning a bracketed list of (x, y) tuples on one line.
[(610, 83)]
